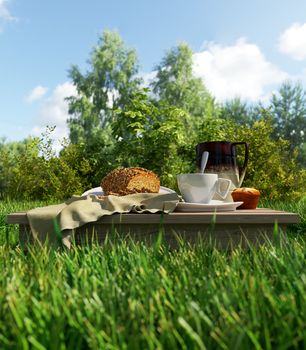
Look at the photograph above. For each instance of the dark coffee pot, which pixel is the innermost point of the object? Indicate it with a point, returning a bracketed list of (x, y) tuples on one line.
[(222, 160)]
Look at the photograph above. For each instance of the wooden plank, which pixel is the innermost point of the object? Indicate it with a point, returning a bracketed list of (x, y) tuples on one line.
[(222, 236), (17, 218), (258, 216)]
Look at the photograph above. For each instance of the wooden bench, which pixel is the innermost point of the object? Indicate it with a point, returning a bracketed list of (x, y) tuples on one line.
[(223, 228)]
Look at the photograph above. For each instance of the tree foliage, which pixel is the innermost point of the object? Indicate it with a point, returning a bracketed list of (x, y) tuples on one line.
[(152, 136), (107, 85), (176, 84), (37, 173), (237, 111), (272, 166), (9, 152), (288, 108)]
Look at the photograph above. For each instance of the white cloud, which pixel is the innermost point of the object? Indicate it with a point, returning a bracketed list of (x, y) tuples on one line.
[(239, 70), (148, 78), (54, 112), (5, 13), (37, 93), (293, 41)]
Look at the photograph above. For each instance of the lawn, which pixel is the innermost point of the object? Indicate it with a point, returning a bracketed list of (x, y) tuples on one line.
[(129, 296)]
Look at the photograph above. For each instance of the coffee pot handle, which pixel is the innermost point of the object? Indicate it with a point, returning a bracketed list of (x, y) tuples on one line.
[(242, 170)]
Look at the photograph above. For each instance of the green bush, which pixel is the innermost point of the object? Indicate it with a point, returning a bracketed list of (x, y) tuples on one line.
[(38, 173), (159, 137), (154, 137), (272, 168), (9, 152)]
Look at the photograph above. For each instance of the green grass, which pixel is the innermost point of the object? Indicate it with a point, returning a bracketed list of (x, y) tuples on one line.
[(129, 296)]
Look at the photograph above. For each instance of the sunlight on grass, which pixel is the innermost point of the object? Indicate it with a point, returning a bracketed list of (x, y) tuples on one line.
[(129, 295)]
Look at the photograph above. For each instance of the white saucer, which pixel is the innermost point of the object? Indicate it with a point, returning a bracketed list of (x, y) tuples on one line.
[(98, 191), (213, 205)]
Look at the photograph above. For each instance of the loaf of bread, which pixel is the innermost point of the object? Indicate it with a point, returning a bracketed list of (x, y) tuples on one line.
[(124, 181), (249, 197)]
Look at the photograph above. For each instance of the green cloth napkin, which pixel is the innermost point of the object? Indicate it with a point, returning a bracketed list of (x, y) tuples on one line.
[(56, 222)]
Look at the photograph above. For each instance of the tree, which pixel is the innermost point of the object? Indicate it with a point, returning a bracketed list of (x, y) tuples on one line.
[(237, 111), (152, 136), (176, 84), (288, 109), (106, 86)]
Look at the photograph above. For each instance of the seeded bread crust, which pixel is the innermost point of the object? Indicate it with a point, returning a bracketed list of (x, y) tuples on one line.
[(124, 181)]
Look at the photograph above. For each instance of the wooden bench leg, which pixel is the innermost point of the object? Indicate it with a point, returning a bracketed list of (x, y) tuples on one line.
[(25, 235)]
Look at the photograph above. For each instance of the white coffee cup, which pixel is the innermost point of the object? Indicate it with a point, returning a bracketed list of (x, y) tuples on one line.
[(200, 188)]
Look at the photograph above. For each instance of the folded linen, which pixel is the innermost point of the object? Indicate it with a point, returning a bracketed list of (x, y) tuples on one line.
[(57, 222)]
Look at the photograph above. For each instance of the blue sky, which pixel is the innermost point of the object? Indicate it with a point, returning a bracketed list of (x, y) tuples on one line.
[(241, 48)]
